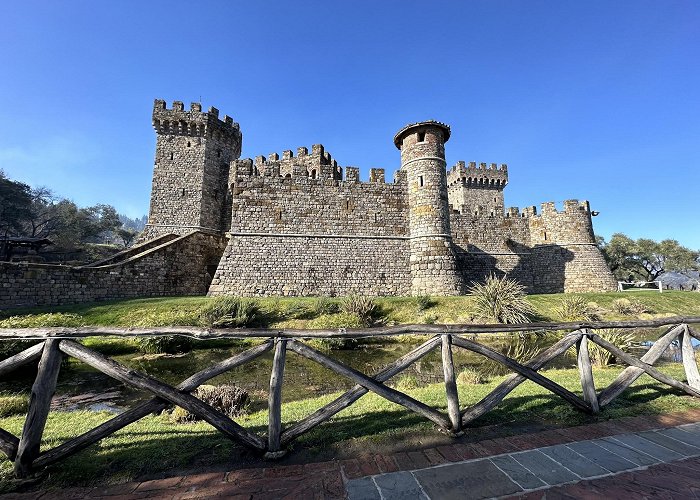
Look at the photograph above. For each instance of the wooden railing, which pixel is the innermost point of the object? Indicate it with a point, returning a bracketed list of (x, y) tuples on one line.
[(25, 451)]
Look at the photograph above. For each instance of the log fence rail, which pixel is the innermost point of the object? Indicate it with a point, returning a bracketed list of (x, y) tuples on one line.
[(27, 456)]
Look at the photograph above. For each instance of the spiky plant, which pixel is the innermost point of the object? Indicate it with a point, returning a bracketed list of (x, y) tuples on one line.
[(501, 300)]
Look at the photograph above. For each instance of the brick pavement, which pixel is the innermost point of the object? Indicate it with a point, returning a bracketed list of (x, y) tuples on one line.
[(648, 465)]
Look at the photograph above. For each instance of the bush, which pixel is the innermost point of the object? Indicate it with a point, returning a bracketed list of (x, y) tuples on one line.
[(501, 300), (619, 338), (169, 344), (469, 376), (230, 400), (364, 308), (13, 404), (575, 308), (230, 312), (629, 307)]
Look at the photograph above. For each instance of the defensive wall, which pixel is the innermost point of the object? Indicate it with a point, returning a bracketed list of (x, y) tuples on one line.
[(179, 266)]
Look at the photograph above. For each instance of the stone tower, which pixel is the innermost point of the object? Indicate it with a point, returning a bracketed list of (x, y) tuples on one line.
[(193, 152), (432, 259)]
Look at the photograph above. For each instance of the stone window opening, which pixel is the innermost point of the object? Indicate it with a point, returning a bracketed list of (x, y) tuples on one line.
[(313, 174), (172, 155), (218, 153), (189, 144), (420, 181), (421, 136), (182, 192), (545, 236)]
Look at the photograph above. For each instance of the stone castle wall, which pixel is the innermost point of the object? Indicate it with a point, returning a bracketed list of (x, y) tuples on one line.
[(300, 235), (182, 266)]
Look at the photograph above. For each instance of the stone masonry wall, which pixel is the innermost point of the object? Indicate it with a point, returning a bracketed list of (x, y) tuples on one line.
[(301, 235), (477, 190), (302, 266), (194, 150), (177, 267)]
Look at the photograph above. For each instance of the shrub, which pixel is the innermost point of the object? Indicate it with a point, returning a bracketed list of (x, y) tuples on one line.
[(575, 308), (13, 404), (501, 300), (424, 302), (364, 308), (169, 344), (469, 376), (230, 312), (619, 338), (230, 400), (627, 307)]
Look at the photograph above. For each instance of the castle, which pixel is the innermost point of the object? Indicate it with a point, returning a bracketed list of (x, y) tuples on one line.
[(303, 225)]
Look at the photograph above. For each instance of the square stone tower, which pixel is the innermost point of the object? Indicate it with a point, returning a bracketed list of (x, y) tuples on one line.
[(193, 152)]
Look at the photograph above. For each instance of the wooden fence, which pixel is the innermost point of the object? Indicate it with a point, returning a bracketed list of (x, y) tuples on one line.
[(26, 454)]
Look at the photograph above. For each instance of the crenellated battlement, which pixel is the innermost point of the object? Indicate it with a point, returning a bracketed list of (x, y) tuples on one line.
[(478, 176), (193, 122)]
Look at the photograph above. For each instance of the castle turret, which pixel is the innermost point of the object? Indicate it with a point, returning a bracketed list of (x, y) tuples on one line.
[(432, 259), (193, 152)]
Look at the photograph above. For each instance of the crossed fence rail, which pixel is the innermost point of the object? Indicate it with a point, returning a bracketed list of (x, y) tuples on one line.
[(26, 454)]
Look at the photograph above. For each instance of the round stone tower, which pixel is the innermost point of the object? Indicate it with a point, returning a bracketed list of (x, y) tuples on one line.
[(432, 260)]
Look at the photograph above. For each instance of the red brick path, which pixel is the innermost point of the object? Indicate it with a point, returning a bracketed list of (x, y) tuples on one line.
[(325, 480)]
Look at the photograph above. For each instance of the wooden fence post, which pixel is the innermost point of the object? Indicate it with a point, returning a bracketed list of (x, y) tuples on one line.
[(274, 429), (451, 385), (689, 363), (39, 405), (585, 371)]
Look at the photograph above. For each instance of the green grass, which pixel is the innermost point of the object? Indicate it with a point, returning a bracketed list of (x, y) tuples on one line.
[(155, 445), (300, 312)]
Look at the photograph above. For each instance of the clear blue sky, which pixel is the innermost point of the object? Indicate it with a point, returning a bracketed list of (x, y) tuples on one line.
[(594, 100)]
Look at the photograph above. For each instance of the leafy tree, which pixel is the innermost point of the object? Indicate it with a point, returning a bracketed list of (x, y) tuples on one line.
[(127, 235), (646, 259), (15, 206)]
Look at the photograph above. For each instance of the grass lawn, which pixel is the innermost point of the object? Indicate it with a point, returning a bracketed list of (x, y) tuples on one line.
[(156, 446), (303, 312)]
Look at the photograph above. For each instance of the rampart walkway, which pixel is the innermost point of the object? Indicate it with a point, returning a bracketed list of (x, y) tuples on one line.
[(629, 458)]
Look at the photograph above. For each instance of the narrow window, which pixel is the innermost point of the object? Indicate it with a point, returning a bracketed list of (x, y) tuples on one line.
[(313, 174), (189, 144), (171, 156), (182, 193), (421, 136), (494, 199), (420, 181), (545, 236), (218, 153)]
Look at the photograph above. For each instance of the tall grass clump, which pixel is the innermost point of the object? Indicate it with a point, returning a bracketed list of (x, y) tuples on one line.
[(230, 400), (501, 300), (575, 308), (629, 307), (619, 338), (11, 347), (363, 307), (424, 302), (230, 312)]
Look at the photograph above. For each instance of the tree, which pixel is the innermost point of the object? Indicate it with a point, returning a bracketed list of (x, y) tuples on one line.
[(15, 206), (127, 235), (646, 259)]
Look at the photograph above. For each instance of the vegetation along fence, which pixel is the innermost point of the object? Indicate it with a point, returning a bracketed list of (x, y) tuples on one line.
[(26, 454)]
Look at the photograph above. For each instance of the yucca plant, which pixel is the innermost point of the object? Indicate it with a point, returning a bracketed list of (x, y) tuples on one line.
[(619, 338), (501, 300), (364, 307), (575, 308)]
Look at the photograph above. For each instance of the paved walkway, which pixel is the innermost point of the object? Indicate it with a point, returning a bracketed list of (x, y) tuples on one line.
[(629, 458)]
